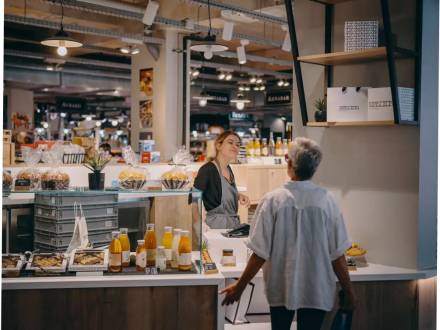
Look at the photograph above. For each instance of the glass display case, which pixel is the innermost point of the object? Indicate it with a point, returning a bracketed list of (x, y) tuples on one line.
[(56, 214)]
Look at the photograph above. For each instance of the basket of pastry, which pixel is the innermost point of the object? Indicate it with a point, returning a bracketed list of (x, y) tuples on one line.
[(47, 263), (7, 181), (88, 260), (55, 180), (132, 178), (28, 179), (12, 264), (356, 255), (175, 179)]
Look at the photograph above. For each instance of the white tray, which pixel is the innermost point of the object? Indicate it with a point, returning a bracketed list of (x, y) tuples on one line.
[(88, 268), (60, 269), (17, 268)]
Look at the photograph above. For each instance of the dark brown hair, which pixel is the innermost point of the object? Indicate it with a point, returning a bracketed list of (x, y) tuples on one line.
[(224, 135)]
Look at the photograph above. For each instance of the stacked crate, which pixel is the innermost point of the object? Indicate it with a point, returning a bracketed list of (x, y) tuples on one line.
[(55, 218)]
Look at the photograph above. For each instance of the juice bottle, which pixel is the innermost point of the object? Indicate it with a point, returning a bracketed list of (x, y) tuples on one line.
[(250, 149), (185, 251), (161, 259), (115, 251), (141, 256), (150, 245), (271, 145), (285, 147), (175, 248), (167, 242), (125, 244), (257, 148), (278, 147), (264, 149)]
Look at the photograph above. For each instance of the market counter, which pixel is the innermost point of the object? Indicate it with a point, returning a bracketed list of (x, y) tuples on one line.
[(113, 302)]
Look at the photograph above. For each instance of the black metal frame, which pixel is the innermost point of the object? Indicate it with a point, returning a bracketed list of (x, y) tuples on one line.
[(391, 49)]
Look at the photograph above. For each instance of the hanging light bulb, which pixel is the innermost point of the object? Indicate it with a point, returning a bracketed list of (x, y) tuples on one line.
[(208, 52), (228, 76), (62, 51), (286, 83), (221, 76), (114, 123), (239, 105), (280, 83), (203, 102)]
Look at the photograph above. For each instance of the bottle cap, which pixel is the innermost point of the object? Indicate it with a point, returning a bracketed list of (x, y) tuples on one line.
[(124, 230), (150, 226), (141, 242), (168, 229)]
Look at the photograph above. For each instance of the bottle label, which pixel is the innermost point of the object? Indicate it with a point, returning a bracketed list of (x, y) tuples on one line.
[(169, 253), (265, 152), (115, 259), (151, 254), (257, 152), (278, 152), (125, 257), (141, 259), (185, 259), (162, 263)]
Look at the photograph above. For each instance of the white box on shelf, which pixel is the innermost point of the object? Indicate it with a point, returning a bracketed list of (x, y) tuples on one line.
[(347, 104), (359, 35), (380, 104)]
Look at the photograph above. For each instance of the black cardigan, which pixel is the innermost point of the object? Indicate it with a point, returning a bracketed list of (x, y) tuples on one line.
[(208, 180)]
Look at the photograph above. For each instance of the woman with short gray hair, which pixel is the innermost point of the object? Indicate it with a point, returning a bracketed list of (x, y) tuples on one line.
[(299, 238)]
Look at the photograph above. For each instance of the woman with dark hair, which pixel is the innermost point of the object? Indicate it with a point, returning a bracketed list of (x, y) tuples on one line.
[(216, 180)]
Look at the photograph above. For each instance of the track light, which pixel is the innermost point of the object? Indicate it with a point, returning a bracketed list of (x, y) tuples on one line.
[(241, 52), (132, 50), (150, 12), (262, 88), (259, 80), (228, 76), (280, 83), (228, 28), (252, 79), (241, 88), (286, 84), (221, 76), (195, 73), (287, 46), (256, 88)]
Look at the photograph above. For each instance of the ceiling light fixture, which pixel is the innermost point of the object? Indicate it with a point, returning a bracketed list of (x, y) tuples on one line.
[(287, 45), (150, 12), (280, 82), (240, 101), (61, 39), (132, 50), (259, 80), (228, 28), (221, 76), (286, 83), (203, 98), (208, 46), (228, 76), (252, 79), (241, 52)]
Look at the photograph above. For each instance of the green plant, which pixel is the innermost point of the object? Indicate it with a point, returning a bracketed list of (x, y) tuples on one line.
[(321, 104), (97, 162)]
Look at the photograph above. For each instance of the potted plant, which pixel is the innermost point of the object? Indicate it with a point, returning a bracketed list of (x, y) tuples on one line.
[(321, 110), (96, 164)]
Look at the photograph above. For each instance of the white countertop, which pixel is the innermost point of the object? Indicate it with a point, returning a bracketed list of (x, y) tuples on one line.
[(69, 282), (374, 272)]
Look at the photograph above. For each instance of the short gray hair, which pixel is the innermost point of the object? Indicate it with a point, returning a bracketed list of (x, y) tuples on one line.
[(305, 155)]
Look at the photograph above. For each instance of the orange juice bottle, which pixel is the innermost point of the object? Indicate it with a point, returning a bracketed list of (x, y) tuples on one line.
[(167, 242), (141, 256), (115, 251), (278, 147), (125, 244), (150, 245), (185, 251), (175, 248), (257, 148)]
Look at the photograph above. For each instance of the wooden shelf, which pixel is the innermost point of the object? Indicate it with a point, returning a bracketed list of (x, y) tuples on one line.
[(351, 123), (339, 58)]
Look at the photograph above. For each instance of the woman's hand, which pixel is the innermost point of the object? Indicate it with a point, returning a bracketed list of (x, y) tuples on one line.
[(244, 200), (233, 294)]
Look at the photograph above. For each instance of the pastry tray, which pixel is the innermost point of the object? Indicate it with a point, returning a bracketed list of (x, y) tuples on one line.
[(51, 269), (88, 268), (16, 270)]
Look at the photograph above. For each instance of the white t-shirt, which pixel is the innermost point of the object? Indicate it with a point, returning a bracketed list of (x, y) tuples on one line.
[(299, 230)]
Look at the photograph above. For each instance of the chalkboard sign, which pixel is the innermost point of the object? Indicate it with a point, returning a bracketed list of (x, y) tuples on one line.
[(71, 104), (279, 97)]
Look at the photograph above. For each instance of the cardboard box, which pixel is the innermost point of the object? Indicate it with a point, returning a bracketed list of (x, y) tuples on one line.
[(380, 104), (347, 104), (8, 153), (7, 136)]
